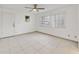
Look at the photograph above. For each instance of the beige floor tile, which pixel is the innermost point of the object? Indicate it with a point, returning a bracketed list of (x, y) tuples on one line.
[(37, 43)]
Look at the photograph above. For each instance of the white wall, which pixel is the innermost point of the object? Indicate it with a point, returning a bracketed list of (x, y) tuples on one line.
[(70, 22), (78, 26), (0, 23), (21, 26)]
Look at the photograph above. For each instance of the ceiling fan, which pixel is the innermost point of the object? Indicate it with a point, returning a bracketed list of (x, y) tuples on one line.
[(35, 8)]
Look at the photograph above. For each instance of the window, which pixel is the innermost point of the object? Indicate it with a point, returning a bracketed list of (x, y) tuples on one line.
[(45, 21), (54, 21), (59, 21)]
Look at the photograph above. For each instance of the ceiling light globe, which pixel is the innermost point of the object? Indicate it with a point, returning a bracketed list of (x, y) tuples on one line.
[(34, 10)]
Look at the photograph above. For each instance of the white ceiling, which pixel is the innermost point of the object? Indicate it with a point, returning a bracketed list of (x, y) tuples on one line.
[(20, 7)]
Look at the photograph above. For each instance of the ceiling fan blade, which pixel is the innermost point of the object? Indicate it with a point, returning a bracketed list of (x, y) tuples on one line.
[(40, 8), (28, 7)]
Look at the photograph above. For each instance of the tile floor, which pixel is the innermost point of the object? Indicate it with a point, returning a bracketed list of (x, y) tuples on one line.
[(36, 43)]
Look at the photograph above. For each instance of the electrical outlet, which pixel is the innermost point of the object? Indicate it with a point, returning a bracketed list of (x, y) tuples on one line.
[(75, 36), (68, 35)]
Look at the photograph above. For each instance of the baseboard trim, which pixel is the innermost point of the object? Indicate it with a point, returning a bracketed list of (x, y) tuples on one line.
[(38, 32), (56, 36), (17, 35)]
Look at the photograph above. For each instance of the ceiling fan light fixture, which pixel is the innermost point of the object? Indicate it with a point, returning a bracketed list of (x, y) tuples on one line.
[(34, 10)]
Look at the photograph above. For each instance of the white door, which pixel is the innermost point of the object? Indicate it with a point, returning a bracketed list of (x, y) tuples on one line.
[(8, 23)]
